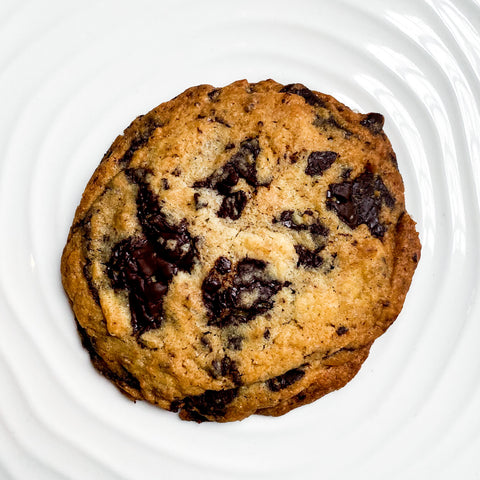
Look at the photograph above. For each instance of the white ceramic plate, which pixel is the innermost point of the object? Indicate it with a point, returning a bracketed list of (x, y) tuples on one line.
[(74, 74)]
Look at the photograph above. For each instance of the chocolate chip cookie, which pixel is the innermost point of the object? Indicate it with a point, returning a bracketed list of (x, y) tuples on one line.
[(239, 249)]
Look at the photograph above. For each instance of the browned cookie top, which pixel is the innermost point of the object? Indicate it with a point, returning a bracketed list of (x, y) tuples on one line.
[(238, 250)]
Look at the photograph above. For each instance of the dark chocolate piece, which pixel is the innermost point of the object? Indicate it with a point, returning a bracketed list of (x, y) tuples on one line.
[(145, 265), (360, 201), (134, 265), (283, 381), (223, 265), (302, 91), (232, 205), (318, 162), (374, 122), (242, 164), (239, 295), (308, 258), (212, 402)]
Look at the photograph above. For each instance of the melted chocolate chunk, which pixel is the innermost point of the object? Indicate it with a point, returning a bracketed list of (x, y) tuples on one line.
[(242, 164), (302, 91), (374, 122), (174, 242), (211, 402), (244, 161), (223, 265), (283, 381), (145, 265), (239, 296), (341, 330), (308, 258), (134, 265), (317, 228), (360, 201), (318, 162), (232, 205), (287, 219)]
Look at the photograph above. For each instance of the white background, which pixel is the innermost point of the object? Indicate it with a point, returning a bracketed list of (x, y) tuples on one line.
[(72, 77)]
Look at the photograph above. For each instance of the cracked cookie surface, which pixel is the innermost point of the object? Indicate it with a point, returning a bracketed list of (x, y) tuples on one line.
[(238, 250)]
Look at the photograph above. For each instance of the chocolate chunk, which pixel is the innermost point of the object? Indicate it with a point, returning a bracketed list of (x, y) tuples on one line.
[(308, 258), (287, 220), (212, 403), (165, 184), (318, 228), (346, 173), (244, 161), (318, 162), (248, 269), (232, 205), (266, 334), (374, 122), (341, 330), (302, 91), (223, 265), (360, 201), (211, 283), (145, 265), (134, 265), (241, 295), (174, 242), (242, 164), (283, 381)]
